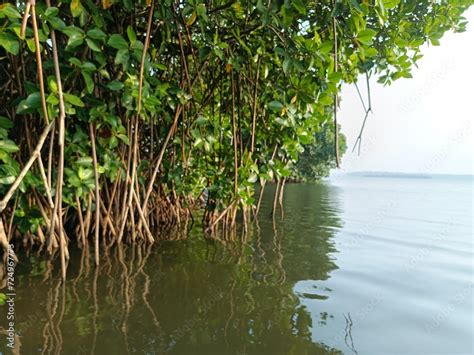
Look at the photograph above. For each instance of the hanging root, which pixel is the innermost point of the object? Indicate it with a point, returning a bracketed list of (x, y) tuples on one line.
[(367, 110)]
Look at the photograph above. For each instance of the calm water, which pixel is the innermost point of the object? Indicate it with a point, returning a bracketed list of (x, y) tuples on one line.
[(358, 265)]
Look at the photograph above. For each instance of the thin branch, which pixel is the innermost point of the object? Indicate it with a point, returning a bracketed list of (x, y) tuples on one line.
[(97, 196), (25, 19), (367, 110), (360, 96), (160, 157), (59, 188), (254, 113), (26, 168), (39, 63)]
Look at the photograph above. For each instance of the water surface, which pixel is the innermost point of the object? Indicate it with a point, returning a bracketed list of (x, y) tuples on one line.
[(359, 265)]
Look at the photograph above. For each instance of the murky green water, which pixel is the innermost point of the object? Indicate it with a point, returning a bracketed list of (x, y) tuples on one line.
[(358, 265)]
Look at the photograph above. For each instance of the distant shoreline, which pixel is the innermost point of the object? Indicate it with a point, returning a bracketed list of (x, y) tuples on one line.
[(381, 174), (398, 176)]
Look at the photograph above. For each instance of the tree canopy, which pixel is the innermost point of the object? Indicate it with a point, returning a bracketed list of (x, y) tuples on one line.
[(317, 159)]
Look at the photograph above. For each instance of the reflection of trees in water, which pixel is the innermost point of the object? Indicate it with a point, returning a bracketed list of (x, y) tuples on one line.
[(199, 295), (311, 219)]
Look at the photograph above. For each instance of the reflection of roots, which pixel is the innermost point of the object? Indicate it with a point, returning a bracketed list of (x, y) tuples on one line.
[(146, 286), (52, 335), (279, 265), (95, 284), (227, 223), (276, 274), (123, 284), (129, 283), (348, 330), (17, 339), (231, 315)]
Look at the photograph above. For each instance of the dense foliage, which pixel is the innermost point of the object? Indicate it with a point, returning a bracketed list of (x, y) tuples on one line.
[(142, 105), (317, 159)]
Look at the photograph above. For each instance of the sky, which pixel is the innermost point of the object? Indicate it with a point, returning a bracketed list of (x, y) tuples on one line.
[(418, 125)]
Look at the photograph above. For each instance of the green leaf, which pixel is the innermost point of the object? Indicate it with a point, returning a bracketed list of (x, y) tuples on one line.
[(30, 104), (288, 16), (85, 174), (390, 4), (9, 42), (73, 31), (201, 11), (118, 42), (5, 123), (76, 8), (104, 73), (86, 161), (365, 36), (113, 142), (74, 181), (52, 84), (96, 33), (326, 47), (88, 66), (115, 85), (15, 27), (253, 178), (161, 66), (7, 180), (73, 100), (128, 4), (299, 6), (122, 57), (132, 37), (123, 138), (355, 4), (198, 142), (371, 52), (75, 34), (88, 81), (9, 11), (56, 23), (275, 106), (93, 45), (335, 77), (52, 99), (8, 146), (74, 41), (286, 65), (282, 122), (51, 12), (201, 120), (3, 298), (75, 61)]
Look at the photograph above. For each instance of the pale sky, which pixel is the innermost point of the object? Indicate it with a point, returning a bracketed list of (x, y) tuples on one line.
[(423, 124)]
